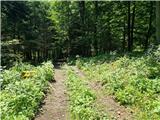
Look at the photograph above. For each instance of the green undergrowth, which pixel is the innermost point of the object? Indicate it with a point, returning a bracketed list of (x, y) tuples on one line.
[(23, 89), (133, 80), (82, 99)]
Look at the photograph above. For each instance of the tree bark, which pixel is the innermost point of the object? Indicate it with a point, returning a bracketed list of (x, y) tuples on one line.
[(129, 37), (95, 27), (132, 29), (158, 22), (149, 27), (82, 17), (69, 14), (82, 11), (14, 30), (124, 35), (38, 55)]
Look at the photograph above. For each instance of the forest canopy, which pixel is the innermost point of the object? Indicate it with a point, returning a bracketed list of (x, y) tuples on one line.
[(40, 30)]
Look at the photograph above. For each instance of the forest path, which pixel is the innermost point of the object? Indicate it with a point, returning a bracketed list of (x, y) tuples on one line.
[(106, 103), (56, 101)]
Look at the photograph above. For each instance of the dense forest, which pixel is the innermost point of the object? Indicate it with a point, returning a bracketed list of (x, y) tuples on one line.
[(80, 60), (38, 31)]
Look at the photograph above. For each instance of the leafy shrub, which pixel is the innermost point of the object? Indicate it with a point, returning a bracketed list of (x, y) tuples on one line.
[(21, 97)]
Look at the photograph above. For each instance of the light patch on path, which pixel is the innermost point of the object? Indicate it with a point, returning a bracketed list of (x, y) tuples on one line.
[(56, 105), (107, 103)]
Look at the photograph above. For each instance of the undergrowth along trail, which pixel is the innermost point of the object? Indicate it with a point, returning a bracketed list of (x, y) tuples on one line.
[(82, 98), (133, 80), (105, 103), (23, 90)]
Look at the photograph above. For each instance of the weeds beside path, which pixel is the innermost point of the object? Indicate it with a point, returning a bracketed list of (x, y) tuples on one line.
[(106, 103)]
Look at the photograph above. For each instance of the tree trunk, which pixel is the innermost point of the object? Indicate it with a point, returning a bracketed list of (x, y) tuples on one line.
[(95, 28), (14, 30), (124, 35), (82, 17), (149, 27), (82, 11), (38, 55), (132, 29), (69, 13), (158, 22), (129, 39)]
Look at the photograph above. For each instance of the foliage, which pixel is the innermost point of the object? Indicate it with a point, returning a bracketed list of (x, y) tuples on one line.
[(52, 30), (21, 97), (81, 99), (134, 81), (30, 25), (37, 31)]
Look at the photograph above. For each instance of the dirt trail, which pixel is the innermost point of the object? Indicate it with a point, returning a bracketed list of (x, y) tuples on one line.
[(55, 107), (106, 103)]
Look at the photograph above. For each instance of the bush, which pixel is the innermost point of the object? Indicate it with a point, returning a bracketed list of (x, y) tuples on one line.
[(21, 97)]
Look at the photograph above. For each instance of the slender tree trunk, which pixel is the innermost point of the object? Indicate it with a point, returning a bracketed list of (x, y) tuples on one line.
[(30, 55), (14, 30), (149, 27), (38, 55), (52, 55), (124, 35), (129, 16), (24, 55), (69, 31), (158, 22), (95, 28), (82, 11), (18, 35), (132, 29), (82, 17), (27, 55)]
